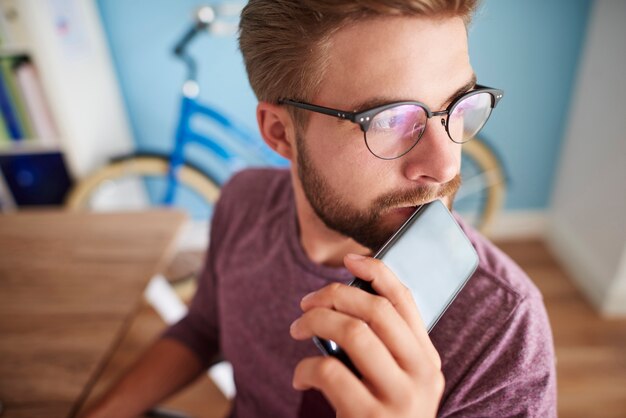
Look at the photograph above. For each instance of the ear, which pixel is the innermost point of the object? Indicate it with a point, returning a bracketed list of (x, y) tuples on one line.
[(276, 128)]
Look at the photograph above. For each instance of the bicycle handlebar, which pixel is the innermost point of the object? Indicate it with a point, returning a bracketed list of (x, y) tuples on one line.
[(206, 18), (179, 49)]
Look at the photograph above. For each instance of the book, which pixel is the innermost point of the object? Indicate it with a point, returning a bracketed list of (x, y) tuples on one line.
[(4, 135), (32, 91), (7, 65), (8, 112)]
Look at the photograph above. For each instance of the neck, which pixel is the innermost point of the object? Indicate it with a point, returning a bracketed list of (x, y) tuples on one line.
[(321, 244)]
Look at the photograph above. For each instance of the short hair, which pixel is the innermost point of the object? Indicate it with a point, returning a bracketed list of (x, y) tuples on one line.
[(284, 43)]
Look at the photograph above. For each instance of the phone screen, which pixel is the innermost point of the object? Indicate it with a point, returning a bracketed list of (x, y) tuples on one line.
[(432, 256)]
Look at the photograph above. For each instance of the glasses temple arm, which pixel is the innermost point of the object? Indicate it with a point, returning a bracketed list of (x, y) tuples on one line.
[(319, 109)]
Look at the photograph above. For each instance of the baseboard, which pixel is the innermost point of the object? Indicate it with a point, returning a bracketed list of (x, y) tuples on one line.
[(587, 272), (615, 305), (511, 225)]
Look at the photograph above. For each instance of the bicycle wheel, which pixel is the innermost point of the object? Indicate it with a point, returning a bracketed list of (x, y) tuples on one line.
[(482, 192), (139, 182)]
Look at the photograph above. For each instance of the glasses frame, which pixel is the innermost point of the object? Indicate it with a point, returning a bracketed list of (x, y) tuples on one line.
[(364, 118)]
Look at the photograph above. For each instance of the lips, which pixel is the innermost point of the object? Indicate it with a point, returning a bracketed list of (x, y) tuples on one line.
[(407, 210), (404, 211)]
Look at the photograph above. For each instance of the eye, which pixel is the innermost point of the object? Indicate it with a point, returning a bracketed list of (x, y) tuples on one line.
[(462, 107), (467, 104), (399, 120), (388, 122), (393, 120)]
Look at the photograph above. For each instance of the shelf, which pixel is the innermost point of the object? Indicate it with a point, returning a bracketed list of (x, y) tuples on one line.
[(76, 79), (13, 50), (27, 146)]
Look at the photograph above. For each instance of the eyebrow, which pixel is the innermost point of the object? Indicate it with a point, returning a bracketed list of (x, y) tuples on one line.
[(380, 100), (464, 89)]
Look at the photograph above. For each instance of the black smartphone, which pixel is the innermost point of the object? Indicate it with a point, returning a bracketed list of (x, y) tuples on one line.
[(431, 255)]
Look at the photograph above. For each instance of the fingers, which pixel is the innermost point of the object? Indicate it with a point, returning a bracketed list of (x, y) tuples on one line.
[(386, 284), (366, 350), (335, 381), (377, 312), (384, 337)]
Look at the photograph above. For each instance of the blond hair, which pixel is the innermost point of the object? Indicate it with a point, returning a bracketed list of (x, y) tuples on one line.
[(284, 42)]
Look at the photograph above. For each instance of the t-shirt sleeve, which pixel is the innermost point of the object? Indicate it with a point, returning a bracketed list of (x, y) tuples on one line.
[(515, 376), (198, 329)]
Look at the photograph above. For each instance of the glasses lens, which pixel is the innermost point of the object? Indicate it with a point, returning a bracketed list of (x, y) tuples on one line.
[(469, 116), (395, 131)]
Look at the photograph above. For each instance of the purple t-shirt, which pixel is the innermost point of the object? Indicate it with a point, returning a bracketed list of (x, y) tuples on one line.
[(494, 340)]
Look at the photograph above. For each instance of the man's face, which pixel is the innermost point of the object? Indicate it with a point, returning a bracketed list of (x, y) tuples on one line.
[(383, 60)]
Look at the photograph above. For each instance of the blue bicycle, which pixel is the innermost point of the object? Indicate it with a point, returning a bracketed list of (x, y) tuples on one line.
[(144, 179)]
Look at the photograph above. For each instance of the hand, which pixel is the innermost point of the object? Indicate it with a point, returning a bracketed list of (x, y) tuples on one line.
[(384, 337)]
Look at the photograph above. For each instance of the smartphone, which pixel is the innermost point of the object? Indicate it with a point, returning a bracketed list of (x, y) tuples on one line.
[(431, 255)]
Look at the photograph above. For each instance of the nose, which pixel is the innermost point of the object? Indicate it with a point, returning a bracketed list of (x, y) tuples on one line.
[(435, 159)]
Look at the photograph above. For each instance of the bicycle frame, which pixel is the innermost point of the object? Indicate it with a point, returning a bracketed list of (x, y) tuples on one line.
[(190, 106), (186, 135)]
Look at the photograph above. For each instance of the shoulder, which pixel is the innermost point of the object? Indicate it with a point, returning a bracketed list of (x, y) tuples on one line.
[(496, 334), (496, 266), (250, 197), (253, 190), (255, 186), (499, 290), (499, 295)]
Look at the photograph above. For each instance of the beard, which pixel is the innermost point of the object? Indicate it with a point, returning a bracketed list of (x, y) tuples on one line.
[(367, 227)]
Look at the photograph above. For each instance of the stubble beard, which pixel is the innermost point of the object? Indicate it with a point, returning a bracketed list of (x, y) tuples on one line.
[(367, 227)]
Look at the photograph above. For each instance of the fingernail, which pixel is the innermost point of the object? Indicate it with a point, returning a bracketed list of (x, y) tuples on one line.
[(295, 330), (356, 257), (294, 326), (308, 296)]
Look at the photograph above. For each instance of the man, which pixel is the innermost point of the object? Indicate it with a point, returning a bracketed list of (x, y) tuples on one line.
[(280, 235)]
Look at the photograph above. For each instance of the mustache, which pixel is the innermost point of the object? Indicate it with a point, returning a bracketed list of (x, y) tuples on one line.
[(417, 196)]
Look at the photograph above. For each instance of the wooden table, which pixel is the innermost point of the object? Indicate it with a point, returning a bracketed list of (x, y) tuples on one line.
[(69, 282)]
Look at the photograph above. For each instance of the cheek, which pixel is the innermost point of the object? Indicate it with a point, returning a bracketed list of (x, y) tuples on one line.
[(337, 149), (458, 151), (362, 178), (345, 140), (454, 151), (340, 155)]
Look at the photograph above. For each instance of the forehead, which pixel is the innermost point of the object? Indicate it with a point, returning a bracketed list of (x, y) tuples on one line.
[(402, 58)]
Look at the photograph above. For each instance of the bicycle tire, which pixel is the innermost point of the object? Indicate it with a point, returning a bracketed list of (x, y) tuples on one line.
[(493, 182), (156, 166)]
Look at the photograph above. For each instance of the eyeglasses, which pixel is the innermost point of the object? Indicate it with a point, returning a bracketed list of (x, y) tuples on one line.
[(393, 129)]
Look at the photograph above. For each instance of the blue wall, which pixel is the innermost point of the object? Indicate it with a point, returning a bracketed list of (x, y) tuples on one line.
[(528, 48)]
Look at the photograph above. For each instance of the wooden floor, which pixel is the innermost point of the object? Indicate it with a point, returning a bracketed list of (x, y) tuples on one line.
[(590, 351)]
